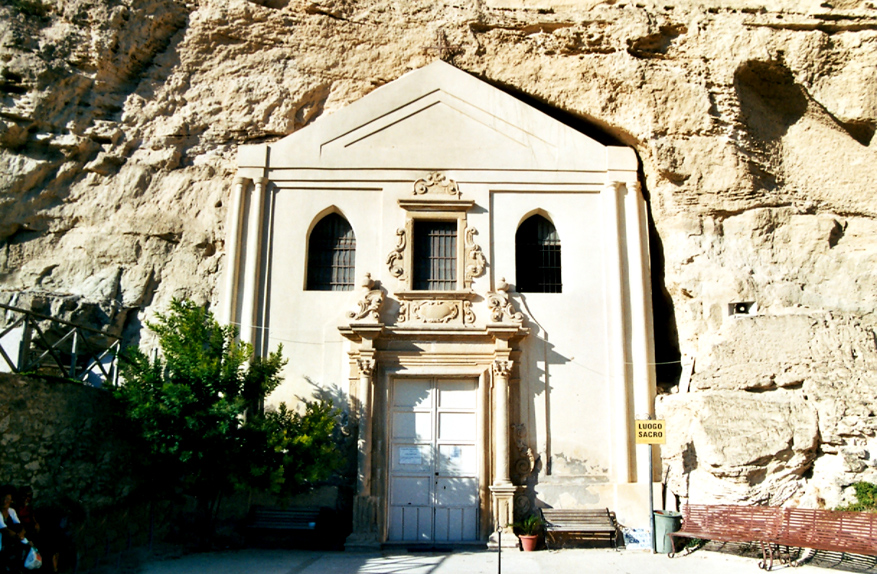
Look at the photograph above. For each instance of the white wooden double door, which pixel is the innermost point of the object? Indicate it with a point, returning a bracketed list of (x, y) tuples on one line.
[(433, 461)]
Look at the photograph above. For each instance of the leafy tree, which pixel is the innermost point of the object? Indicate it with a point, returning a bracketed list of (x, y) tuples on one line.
[(196, 410)]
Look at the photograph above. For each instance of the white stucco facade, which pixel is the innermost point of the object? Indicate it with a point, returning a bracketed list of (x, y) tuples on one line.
[(543, 387)]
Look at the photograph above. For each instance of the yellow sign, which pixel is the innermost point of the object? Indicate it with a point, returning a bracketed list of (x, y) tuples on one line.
[(650, 432)]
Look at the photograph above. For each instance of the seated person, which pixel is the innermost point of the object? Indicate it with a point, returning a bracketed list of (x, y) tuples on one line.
[(15, 549)]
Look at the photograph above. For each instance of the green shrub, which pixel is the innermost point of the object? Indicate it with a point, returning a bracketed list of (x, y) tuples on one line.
[(866, 498), (529, 526), (195, 410)]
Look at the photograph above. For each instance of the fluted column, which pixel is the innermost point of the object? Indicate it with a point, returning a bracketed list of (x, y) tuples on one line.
[(501, 372), (364, 421), (232, 249), (250, 300)]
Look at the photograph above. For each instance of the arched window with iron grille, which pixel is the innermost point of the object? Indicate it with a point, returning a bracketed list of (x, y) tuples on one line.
[(537, 257), (331, 255)]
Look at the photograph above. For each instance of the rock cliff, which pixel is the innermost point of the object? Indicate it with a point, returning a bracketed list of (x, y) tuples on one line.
[(754, 122)]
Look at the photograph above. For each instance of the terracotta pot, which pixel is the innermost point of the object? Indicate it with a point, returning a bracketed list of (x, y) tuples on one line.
[(529, 541)]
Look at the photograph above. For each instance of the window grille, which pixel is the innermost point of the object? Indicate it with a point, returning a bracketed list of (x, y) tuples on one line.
[(537, 257), (331, 255), (435, 255)]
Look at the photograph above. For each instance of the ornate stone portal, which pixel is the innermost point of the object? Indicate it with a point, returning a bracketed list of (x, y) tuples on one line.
[(482, 331)]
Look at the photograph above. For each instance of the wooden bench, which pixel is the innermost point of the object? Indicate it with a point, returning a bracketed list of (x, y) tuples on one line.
[(829, 530), (592, 523), (854, 532), (729, 523), (270, 523)]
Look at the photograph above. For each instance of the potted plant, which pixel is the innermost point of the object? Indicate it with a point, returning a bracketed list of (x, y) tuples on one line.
[(528, 531)]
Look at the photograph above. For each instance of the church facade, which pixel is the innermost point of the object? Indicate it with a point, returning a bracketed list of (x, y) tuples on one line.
[(471, 277)]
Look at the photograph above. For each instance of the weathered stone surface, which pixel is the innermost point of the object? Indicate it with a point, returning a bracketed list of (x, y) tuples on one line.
[(739, 447), (754, 122), (61, 438)]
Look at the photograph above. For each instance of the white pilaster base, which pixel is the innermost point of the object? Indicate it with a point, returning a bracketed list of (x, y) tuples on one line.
[(503, 503)]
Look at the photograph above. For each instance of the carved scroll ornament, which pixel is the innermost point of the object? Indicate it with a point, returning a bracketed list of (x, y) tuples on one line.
[(468, 314), (501, 307), (475, 260), (526, 462), (436, 183), (396, 258), (370, 304)]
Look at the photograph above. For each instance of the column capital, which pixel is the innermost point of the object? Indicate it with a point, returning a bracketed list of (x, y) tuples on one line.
[(241, 180), (613, 186), (366, 367), (502, 368), (260, 181)]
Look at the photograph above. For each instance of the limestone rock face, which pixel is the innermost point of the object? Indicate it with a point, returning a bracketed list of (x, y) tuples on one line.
[(754, 121), (742, 448)]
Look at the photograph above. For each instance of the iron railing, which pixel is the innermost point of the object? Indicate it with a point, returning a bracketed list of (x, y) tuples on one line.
[(35, 343)]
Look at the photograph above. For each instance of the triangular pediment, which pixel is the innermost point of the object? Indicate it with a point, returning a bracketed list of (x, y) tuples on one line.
[(434, 118)]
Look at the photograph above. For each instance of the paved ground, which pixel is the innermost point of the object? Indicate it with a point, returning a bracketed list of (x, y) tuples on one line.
[(568, 561)]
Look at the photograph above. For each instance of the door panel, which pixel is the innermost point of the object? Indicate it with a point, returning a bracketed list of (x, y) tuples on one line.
[(410, 523), (457, 460), (417, 426), (457, 394), (414, 394), (411, 459), (455, 524), (433, 461), (456, 492), (412, 491), (456, 426)]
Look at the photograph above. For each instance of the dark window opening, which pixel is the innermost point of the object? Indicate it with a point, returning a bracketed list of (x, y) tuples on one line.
[(331, 255), (537, 257), (435, 255)]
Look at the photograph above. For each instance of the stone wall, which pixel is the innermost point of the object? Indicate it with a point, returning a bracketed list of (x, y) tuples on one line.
[(62, 439), (754, 122)]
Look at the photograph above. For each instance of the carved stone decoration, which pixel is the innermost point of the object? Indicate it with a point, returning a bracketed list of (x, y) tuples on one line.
[(403, 312), (468, 314), (366, 367), (501, 307), (370, 304), (502, 369), (396, 258), (436, 183), (522, 504), (475, 260), (526, 461), (437, 311)]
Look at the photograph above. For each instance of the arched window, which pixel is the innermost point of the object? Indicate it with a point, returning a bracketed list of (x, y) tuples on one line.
[(537, 257), (331, 255)]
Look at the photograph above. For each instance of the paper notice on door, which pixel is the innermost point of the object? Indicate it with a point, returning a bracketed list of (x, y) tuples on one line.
[(409, 455)]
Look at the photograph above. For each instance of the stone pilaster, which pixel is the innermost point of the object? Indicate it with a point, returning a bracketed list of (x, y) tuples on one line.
[(250, 299), (233, 252), (364, 422), (613, 211), (365, 506)]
